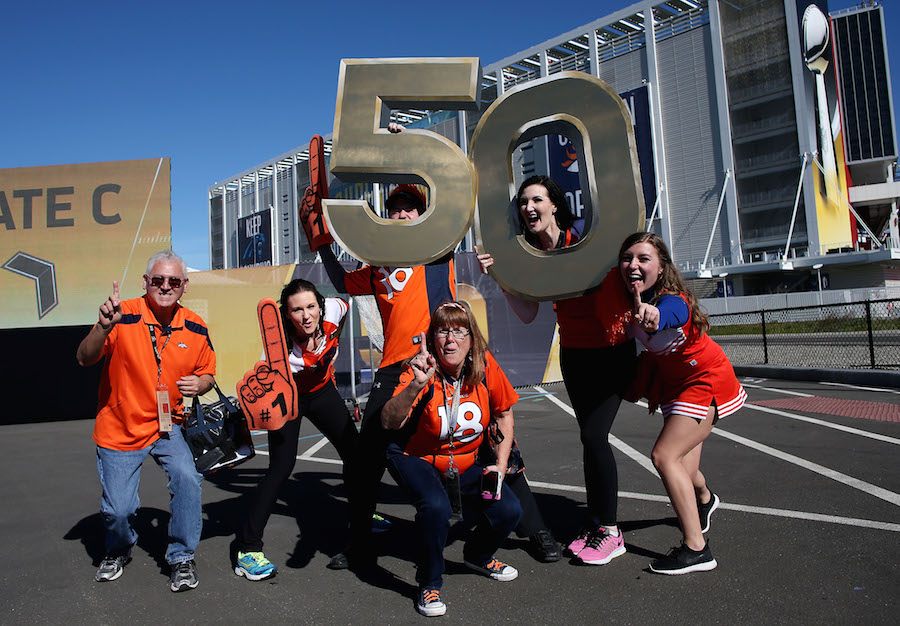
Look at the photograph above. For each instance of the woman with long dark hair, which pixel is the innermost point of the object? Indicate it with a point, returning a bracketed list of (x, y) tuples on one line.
[(596, 357), (312, 325)]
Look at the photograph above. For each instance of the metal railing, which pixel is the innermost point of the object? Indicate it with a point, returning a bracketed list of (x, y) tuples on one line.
[(857, 335)]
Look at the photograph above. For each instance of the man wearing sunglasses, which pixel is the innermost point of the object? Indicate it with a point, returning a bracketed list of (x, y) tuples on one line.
[(157, 352)]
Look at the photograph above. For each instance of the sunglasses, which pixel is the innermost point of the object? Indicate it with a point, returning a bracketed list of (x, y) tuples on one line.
[(174, 283)]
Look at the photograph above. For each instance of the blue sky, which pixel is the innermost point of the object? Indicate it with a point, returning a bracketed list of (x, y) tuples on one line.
[(222, 86)]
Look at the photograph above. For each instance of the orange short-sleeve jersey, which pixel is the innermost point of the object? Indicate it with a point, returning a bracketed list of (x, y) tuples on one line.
[(406, 296), (126, 413), (427, 434)]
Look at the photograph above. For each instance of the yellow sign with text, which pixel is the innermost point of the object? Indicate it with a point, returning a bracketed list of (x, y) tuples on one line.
[(68, 231)]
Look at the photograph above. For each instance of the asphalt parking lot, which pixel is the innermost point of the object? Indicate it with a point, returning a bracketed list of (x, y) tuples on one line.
[(807, 532)]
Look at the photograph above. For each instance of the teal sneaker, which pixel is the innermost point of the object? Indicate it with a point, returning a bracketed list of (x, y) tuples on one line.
[(254, 566), (380, 524)]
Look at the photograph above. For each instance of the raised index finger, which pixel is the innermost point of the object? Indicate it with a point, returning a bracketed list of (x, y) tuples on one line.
[(115, 292), (423, 349), (272, 332), (637, 297)]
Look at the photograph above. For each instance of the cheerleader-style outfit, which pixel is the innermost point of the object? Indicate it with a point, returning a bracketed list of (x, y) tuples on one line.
[(683, 371)]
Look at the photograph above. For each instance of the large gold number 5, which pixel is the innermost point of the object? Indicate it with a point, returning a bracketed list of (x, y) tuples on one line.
[(363, 151), (589, 112)]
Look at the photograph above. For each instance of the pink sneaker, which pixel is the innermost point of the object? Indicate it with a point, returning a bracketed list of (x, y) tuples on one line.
[(602, 548), (580, 541)]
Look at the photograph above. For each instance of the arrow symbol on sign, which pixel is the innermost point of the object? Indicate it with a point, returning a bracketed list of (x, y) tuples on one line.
[(44, 275)]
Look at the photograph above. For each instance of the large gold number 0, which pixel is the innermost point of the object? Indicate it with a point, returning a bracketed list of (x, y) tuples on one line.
[(587, 111), (363, 151)]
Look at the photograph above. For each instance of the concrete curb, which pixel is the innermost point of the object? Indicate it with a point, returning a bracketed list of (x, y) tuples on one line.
[(871, 378)]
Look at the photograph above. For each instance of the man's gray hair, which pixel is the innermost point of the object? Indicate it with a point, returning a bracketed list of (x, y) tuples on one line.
[(167, 256)]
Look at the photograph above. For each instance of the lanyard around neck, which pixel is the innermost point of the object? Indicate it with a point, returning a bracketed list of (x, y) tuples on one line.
[(452, 411), (158, 353)]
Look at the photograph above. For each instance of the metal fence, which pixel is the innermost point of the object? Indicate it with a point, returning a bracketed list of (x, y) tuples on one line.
[(858, 335)]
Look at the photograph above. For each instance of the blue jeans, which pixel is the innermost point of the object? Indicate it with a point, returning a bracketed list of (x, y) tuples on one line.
[(495, 519), (120, 477)]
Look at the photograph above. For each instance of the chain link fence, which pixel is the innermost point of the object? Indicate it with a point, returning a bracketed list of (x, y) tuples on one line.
[(860, 335)]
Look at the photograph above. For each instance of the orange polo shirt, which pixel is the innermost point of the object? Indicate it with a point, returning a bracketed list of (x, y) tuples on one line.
[(126, 409)]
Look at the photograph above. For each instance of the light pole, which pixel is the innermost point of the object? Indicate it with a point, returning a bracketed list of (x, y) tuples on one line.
[(818, 268), (724, 288)]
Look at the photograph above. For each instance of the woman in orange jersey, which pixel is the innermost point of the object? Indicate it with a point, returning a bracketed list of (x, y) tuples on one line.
[(313, 324), (688, 376), (439, 415), (597, 360)]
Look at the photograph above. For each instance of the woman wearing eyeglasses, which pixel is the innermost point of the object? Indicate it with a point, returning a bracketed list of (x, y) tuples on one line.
[(439, 414)]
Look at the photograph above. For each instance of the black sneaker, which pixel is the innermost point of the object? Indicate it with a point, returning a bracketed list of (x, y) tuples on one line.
[(183, 576), (544, 546), (683, 560), (354, 559), (111, 568), (706, 511)]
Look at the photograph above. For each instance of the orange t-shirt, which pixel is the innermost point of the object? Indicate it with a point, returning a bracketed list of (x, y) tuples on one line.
[(406, 297), (126, 411)]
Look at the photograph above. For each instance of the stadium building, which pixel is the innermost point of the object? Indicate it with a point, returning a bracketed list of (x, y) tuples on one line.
[(764, 128)]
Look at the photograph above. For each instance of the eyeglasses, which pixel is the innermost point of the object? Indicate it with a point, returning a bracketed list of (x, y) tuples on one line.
[(458, 333), (174, 283)]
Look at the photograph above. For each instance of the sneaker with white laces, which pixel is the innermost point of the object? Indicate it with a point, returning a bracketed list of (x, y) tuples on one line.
[(111, 568), (498, 570), (602, 548), (183, 576), (254, 566), (683, 560), (429, 603), (580, 541), (706, 511)]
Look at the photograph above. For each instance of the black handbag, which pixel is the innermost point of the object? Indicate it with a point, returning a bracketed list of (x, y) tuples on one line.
[(217, 434)]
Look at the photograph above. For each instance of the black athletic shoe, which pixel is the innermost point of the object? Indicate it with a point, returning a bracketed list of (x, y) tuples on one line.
[(358, 560), (706, 511), (683, 560), (544, 546)]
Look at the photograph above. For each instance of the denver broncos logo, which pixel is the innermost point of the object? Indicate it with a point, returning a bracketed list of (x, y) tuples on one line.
[(571, 160)]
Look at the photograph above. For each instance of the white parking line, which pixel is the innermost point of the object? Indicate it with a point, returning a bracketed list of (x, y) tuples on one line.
[(774, 390), (860, 388), (878, 492), (727, 506), (314, 448), (818, 422), (645, 462), (634, 455)]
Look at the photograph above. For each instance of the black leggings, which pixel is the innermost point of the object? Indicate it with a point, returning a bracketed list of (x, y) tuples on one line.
[(327, 411), (594, 378)]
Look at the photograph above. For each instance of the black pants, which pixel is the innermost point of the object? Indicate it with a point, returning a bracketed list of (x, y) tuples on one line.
[(594, 378), (531, 521), (327, 411), (368, 466)]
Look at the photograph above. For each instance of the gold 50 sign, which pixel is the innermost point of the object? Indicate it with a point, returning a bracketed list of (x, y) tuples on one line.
[(574, 104)]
